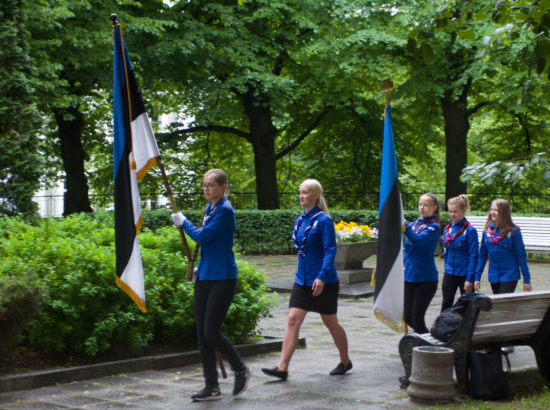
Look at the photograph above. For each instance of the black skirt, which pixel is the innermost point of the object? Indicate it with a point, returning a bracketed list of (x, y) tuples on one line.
[(326, 303)]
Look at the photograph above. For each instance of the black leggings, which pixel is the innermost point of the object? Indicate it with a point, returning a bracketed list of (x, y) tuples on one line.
[(211, 303), (418, 296), (504, 287), (450, 284)]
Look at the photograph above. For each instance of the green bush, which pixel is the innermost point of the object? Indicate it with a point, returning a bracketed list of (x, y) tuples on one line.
[(21, 298), (74, 259)]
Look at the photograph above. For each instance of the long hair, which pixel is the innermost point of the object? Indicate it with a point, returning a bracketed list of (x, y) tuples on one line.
[(316, 188), (219, 176), (504, 221), (435, 201), (461, 201)]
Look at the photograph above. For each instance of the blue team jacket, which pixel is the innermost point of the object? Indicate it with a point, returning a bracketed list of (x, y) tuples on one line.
[(506, 257), (461, 254), (216, 240), (418, 255), (319, 251)]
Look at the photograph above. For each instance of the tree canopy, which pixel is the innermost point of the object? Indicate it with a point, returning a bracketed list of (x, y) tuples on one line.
[(278, 91)]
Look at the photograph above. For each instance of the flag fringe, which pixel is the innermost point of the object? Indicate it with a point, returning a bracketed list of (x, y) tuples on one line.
[(139, 224), (143, 171), (128, 290), (387, 321), (373, 277)]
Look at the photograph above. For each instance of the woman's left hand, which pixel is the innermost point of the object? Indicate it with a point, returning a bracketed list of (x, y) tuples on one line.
[(527, 287), (317, 287)]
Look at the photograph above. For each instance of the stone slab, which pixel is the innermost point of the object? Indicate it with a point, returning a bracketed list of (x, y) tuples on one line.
[(350, 276)]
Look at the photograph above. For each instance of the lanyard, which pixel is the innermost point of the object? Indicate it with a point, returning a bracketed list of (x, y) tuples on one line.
[(494, 239), (448, 238), (421, 226), (206, 216), (300, 248)]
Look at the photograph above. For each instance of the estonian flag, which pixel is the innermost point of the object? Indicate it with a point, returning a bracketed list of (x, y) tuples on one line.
[(135, 151), (389, 275)]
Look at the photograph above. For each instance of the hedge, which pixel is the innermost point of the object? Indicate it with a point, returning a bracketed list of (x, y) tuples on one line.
[(270, 232), (73, 263)]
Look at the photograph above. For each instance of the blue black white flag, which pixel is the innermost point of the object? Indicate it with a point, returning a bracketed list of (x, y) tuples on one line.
[(135, 152), (389, 274)]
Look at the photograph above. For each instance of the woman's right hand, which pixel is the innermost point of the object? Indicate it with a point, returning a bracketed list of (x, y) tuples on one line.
[(317, 287), (178, 219), (477, 285)]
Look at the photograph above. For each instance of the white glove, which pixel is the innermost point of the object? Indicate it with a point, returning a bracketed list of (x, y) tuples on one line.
[(178, 219)]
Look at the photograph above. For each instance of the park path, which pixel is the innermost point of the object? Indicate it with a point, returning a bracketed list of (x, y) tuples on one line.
[(371, 384)]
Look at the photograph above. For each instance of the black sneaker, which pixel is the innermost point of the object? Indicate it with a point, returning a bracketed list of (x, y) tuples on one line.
[(241, 381), (207, 394)]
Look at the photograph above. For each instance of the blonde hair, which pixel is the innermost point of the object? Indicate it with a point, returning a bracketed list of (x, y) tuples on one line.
[(316, 188), (461, 201), (504, 221), (218, 175), (435, 201)]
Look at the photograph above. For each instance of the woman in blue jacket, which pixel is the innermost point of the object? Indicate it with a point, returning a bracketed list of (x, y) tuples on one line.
[(316, 284), (502, 243), (215, 284), (421, 238), (460, 245)]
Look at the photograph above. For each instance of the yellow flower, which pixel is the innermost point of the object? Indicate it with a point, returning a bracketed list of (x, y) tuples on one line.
[(351, 232)]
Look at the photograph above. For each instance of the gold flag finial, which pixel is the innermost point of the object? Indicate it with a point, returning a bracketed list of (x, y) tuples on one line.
[(385, 87)]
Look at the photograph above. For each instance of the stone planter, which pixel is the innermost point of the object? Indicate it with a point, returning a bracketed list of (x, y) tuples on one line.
[(432, 375), (352, 255)]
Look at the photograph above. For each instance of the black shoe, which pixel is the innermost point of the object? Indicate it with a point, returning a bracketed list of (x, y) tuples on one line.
[(341, 369), (241, 381), (275, 372), (207, 394)]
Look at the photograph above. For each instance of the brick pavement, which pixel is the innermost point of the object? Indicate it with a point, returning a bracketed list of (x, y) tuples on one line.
[(371, 384)]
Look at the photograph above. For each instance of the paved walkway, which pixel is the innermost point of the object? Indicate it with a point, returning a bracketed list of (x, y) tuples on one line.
[(371, 384)]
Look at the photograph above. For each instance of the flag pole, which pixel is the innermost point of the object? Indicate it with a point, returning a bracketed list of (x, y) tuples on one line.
[(386, 86), (174, 210)]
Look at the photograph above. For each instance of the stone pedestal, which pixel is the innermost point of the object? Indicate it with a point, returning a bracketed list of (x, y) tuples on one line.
[(431, 378), (349, 276), (352, 255)]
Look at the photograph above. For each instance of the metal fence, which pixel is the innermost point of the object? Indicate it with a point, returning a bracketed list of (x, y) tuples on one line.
[(52, 205)]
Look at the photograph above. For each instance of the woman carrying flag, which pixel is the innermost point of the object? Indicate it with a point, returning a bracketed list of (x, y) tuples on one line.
[(215, 284)]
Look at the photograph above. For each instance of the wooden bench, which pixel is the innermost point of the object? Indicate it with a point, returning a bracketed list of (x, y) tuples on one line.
[(535, 231), (492, 321)]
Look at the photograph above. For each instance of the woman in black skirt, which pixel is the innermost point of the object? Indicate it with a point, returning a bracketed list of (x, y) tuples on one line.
[(316, 283)]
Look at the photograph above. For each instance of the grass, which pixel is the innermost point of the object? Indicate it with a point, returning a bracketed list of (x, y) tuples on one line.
[(531, 391)]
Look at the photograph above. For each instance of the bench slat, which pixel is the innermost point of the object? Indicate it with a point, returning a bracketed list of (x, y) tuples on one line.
[(517, 309), (526, 327), (518, 296), (492, 334), (502, 318)]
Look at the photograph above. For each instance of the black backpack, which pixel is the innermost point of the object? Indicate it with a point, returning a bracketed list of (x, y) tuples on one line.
[(447, 323)]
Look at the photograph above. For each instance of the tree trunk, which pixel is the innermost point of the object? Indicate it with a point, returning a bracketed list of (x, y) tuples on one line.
[(457, 125), (262, 135), (70, 123)]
